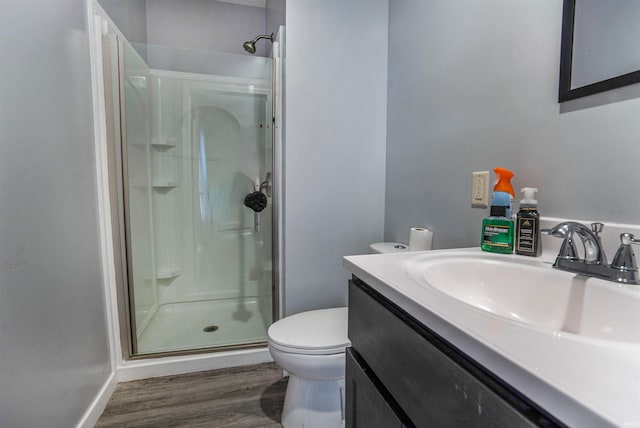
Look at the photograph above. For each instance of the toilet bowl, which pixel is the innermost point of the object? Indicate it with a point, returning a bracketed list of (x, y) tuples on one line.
[(310, 346)]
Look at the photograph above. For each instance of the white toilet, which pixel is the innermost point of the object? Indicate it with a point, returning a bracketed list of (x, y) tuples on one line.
[(310, 346)]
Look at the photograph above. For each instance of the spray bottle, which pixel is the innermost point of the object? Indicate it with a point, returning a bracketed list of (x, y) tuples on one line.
[(497, 229)]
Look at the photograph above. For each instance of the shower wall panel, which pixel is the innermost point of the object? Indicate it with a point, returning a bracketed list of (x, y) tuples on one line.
[(203, 231)]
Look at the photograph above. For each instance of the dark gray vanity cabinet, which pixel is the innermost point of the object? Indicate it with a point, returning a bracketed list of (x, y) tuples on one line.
[(400, 373)]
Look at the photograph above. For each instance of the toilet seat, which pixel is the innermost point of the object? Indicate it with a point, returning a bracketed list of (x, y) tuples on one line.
[(307, 351), (319, 332)]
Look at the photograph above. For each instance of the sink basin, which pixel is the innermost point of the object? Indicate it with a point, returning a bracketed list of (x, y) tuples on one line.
[(534, 294)]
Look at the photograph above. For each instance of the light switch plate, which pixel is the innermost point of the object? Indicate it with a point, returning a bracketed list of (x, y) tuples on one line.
[(480, 189)]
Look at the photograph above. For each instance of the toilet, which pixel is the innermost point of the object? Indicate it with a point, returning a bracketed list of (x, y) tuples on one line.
[(310, 346)]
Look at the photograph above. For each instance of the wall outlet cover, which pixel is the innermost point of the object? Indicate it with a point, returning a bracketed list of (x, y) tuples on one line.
[(480, 189)]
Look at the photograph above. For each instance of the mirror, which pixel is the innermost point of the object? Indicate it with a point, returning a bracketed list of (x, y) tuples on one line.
[(599, 48)]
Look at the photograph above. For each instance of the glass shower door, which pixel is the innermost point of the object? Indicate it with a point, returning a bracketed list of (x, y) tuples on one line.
[(194, 145), (135, 121)]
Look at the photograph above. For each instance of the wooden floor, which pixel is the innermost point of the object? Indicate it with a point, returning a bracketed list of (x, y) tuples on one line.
[(249, 396)]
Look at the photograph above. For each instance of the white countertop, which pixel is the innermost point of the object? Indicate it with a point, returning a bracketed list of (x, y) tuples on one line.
[(583, 383)]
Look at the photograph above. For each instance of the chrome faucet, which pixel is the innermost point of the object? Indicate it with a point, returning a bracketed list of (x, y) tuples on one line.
[(623, 268)]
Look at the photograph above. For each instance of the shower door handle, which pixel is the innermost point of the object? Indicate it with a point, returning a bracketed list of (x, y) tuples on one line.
[(266, 185)]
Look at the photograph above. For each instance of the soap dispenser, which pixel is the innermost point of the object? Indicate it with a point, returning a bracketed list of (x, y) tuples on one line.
[(528, 225)]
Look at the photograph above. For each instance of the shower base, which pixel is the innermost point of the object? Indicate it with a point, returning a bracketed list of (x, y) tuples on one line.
[(203, 324)]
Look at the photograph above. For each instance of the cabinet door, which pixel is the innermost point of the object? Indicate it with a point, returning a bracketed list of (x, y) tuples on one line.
[(435, 384), (366, 405)]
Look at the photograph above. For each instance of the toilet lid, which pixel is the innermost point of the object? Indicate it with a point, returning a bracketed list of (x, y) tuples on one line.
[(321, 331)]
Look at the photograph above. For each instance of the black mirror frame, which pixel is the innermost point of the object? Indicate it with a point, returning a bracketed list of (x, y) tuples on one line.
[(566, 52)]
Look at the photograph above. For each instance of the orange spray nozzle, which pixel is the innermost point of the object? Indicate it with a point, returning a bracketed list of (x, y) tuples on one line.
[(503, 183)]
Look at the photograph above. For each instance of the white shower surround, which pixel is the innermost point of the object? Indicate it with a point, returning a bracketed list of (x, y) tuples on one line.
[(205, 250)]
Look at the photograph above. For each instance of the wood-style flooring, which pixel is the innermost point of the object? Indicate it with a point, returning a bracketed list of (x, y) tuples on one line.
[(249, 396)]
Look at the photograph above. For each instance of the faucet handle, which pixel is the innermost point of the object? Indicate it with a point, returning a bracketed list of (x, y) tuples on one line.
[(625, 259), (596, 228), (627, 238)]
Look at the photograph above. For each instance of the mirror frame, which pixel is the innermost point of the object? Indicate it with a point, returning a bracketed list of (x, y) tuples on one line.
[(566, 93)]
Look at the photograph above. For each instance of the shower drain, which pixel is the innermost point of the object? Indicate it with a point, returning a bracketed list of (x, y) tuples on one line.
[(210, 328)]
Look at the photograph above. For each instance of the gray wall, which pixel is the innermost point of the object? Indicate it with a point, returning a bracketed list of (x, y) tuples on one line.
[(276, 15), (473, 85), (205, 25), (334, 144), (54, 354), (130, 16)]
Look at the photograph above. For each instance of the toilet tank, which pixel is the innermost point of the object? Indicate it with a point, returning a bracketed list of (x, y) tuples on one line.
[(387, 247)]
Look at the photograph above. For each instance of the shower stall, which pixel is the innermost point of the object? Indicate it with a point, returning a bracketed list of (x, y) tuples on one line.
[(195, 137)]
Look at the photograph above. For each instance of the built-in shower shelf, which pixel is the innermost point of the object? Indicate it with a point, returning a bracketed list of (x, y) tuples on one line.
[(165, 184), (163, 144), (168, 273), (158, 184)]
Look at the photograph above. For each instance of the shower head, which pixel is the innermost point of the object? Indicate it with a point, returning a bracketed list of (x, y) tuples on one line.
[(250, 45)]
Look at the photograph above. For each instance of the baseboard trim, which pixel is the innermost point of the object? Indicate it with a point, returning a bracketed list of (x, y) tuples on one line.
[(99, 403), (156, 367)]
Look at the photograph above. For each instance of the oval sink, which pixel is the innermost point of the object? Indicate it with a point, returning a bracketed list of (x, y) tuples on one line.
[(535, 294)]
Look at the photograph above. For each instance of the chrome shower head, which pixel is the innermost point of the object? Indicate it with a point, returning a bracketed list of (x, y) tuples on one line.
[(250, 45)]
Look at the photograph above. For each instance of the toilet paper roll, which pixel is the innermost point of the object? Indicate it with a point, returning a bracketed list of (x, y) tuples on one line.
[(420, 239)]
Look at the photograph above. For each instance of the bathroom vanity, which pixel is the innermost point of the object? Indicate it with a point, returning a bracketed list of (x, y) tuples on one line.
[(416, 378), (557, 350)]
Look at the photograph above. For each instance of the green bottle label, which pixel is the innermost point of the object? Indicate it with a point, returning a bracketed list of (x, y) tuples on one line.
[(497, 235)]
